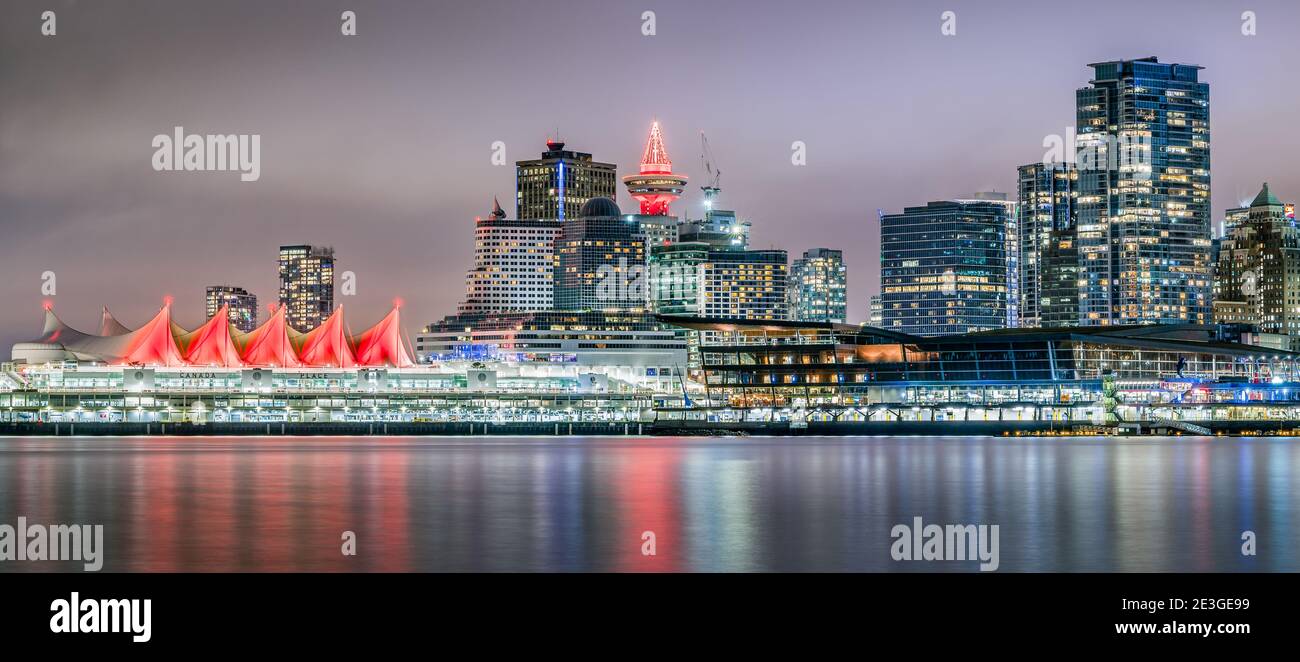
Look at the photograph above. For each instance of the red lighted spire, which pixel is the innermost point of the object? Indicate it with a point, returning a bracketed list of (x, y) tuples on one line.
[(656, 186), (655, 158)]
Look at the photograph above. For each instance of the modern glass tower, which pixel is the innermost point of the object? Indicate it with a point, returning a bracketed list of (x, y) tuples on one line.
[(943, 268), (600, 261), (818, 286), (559, 183), (1144, 192), (1047, 194), (306, 285)]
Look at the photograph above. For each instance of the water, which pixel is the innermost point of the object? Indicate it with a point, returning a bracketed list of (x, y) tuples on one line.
[(579, 504)]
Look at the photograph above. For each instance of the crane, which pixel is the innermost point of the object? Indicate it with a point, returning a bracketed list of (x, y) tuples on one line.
[(713, 187)]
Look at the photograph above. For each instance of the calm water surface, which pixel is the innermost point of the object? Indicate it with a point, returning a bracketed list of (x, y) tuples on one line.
[(576, 504)]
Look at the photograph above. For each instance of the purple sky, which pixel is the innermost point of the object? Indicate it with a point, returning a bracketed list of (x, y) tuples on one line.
[(380, 144)]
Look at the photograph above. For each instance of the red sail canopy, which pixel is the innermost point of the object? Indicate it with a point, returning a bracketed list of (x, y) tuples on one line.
[(153, 343), (269, 344), (326, 346), (383, 345), (212, 345)]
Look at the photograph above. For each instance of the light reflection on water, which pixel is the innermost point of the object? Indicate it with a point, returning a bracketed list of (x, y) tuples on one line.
[(577, 504)]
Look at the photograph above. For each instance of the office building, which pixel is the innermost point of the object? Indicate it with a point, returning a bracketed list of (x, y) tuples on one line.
[(560, 182), (1257, 280), (600, 261), (944, 268)]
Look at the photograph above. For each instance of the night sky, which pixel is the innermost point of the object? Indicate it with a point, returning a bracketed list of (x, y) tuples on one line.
[(380, 144)]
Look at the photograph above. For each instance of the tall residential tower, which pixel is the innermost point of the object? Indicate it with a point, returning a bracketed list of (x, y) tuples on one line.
[(1144, 194)]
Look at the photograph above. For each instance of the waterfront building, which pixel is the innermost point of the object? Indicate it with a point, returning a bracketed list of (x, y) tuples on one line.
[(944, 269), (633, 350), (1144, 192), (599, 261), (1257, 280), (1048, 263), (559, 183), (241, 307), (1173, 375), (655, 187), (818, 286), (307, 284), (513, 264)]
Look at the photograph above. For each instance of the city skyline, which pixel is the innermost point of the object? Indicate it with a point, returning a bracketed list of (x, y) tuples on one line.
[(394, 178)]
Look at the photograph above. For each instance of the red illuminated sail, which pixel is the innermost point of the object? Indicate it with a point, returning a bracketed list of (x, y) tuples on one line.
[(153, 343), (269, 344), (383, 345), (326, 346), (212, 345)]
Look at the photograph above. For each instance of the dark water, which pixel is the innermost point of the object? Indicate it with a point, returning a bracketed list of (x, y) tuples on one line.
[(556, 504)]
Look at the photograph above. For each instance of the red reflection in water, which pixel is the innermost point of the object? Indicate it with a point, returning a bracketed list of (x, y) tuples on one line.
[(648, 500)]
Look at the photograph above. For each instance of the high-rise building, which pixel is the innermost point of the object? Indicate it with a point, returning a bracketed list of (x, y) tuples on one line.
[(599, 261), (655, 187), (306, 285), (944, 268), (1013, 249), (1047, 193), (241, 306), (1257, 280), (875, 311), (559, 183), (656, 230), (818, 286), (513, 264), (1144, 191)]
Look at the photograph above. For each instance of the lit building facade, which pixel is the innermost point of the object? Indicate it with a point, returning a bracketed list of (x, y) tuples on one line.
[(560, 182), (241, 307), (944, 268), (513, 265), (600, 261), (1257, 280), (1047, 193), (818, 288), (1144, 192), (307, 285), (1014, 249)]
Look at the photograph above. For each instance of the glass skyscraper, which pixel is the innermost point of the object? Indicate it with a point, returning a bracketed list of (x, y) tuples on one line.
[(943, 268), (1143, 155), (600, 261), (1048, 267)]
